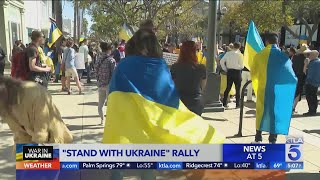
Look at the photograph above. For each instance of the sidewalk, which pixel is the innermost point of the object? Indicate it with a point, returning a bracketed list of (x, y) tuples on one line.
[(81, 115)]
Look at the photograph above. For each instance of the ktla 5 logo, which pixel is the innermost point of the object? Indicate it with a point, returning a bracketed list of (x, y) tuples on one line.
[(294, 153)]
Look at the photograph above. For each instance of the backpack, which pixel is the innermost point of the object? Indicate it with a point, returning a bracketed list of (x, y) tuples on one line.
[(20, 66)]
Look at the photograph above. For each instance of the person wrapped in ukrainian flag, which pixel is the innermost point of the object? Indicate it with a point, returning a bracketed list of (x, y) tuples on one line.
[(143, 104)]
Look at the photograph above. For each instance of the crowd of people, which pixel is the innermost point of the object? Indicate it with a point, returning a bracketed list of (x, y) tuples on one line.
[(70, 61)]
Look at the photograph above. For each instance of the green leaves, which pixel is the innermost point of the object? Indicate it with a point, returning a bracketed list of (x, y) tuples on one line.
[(267, 15), (272, 15), (110, 15)]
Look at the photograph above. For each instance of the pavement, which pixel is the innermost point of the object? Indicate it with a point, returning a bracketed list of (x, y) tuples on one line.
[(80, 114)]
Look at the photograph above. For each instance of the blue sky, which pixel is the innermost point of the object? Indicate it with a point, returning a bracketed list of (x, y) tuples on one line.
[(67, 12)]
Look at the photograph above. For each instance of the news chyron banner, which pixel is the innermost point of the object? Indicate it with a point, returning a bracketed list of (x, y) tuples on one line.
[(66, 161)]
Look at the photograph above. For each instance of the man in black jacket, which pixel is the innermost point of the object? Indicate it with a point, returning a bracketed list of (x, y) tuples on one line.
[(2, 61)]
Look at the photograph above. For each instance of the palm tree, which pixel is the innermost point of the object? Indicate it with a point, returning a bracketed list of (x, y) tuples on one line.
[(75, 20)]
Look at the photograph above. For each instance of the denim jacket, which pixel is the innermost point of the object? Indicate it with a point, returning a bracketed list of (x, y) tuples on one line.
[(313, 73)]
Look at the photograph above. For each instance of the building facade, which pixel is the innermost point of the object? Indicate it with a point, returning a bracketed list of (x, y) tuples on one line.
[(19, 18), (68, 25), (12, 24), (37, 17)]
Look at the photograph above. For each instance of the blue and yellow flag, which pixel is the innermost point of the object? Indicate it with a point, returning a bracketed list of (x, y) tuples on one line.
[(125, 33), (254, 45), (274, 82), (54, 34), (144, 108)]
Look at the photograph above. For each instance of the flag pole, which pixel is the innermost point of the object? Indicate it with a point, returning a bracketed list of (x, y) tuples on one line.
[(212, 33), (212, 90)]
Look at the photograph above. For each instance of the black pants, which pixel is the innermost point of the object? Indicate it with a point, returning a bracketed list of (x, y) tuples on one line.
[(312, 99), (194, 104), (88, 72), (272, 137), (2, 65), (233, 76)]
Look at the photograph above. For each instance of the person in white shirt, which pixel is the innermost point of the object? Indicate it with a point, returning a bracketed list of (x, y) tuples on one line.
[(232, 63), (79, 61), (85, 51)]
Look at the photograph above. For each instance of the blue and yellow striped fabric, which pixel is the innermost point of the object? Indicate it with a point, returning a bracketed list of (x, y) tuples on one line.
[(144, 107), (253, 46), (19, 151), (125, 33), (274, 83), (54, 34)]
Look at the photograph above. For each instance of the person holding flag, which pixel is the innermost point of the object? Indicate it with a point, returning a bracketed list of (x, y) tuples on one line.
[(54, 34), (154, 113), (274, 83)]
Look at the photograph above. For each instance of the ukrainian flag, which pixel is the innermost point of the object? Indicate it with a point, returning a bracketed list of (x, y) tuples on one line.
[(144, 108), (254, 45), (274, 83), (54, 34), (125, 33)]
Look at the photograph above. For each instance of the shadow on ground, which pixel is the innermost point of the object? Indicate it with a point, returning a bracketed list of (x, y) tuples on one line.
[(7, 163), (312, 131), (89, 138), (89, 104), (251, 105), (5, 133), (251, 112), (213, 119), (301, 115), (84, 127), (237, 136), (80, 117)]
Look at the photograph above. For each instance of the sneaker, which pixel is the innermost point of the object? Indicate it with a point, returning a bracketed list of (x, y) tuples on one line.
[(64, 89), (256, 142)]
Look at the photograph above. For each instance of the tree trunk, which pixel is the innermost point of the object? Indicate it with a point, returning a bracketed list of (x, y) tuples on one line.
[(83, 30), (58, 13), (79, 23), (292, 32), (75, 14), (313, 30)]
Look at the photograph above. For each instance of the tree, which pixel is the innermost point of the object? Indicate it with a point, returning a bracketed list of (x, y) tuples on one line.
[(307, 12), (109, 16), (58, 13), (272, 15), (84, 27), (75, 19), (267, 15)]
